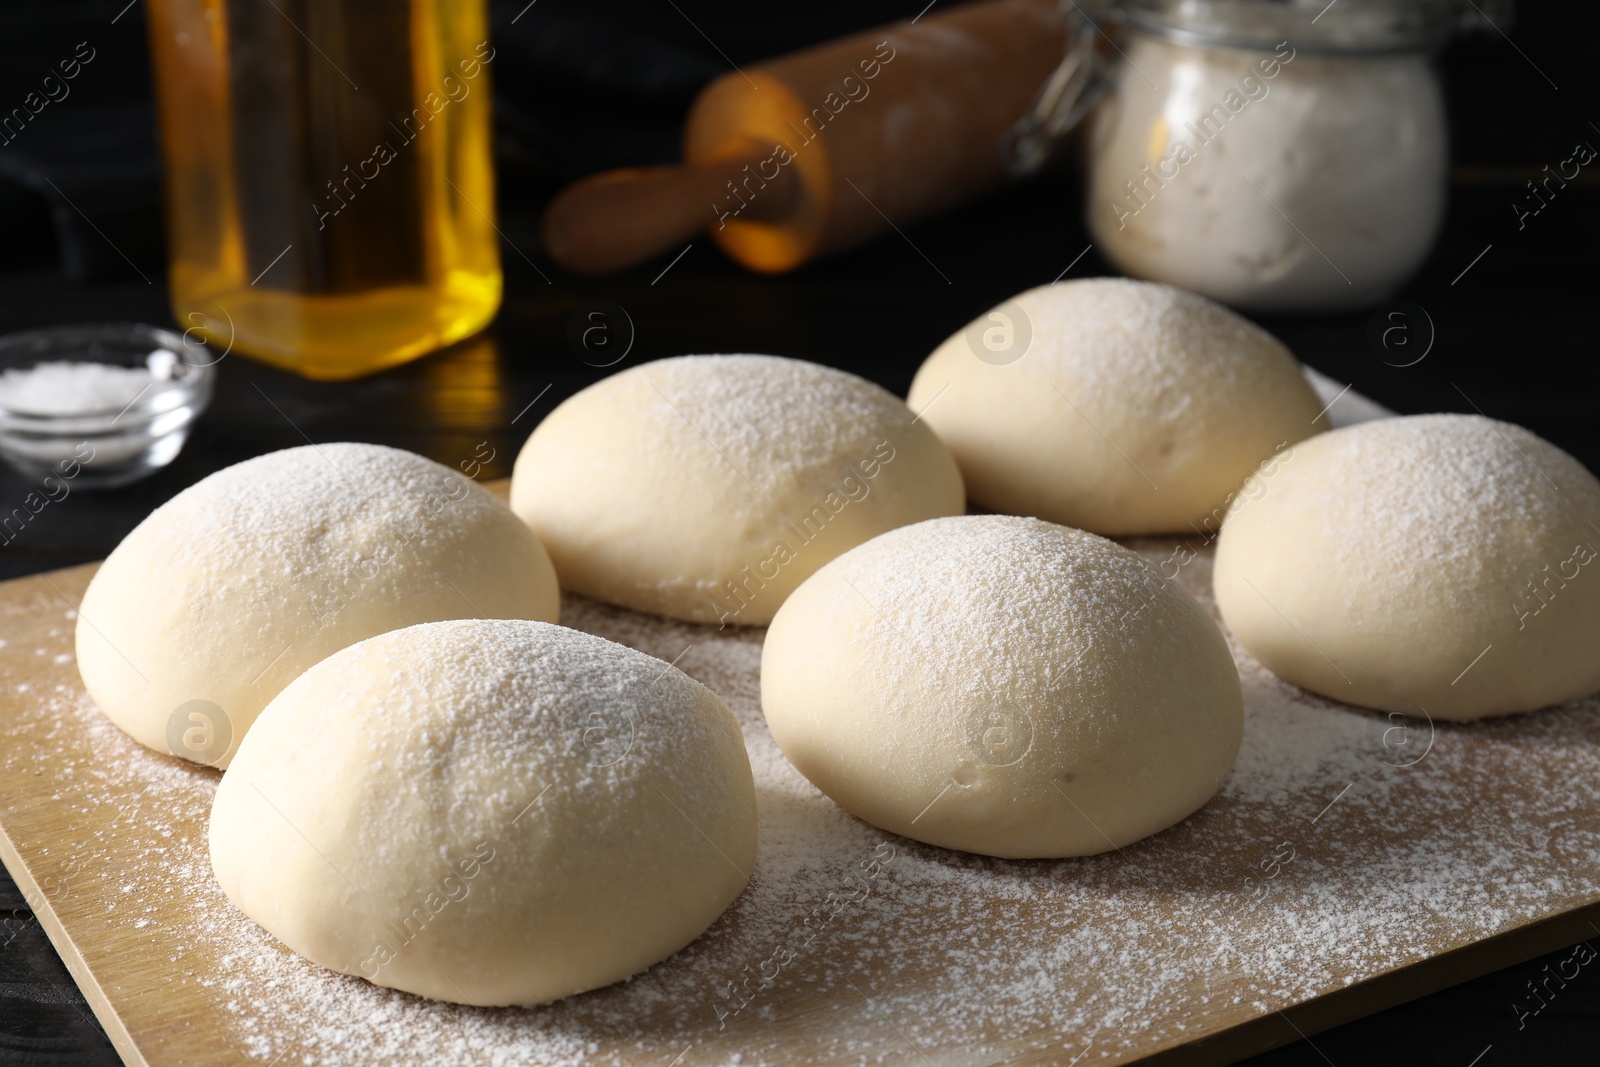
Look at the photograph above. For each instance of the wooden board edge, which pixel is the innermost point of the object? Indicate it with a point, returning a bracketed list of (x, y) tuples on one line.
[(77, 966), (42, 579), (1391, 989), (38, 902)]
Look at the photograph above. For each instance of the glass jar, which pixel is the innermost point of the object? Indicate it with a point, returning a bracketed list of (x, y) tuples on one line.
[(329, 191), (1273, 156)]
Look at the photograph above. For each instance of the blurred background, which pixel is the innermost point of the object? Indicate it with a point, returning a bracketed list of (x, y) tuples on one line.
[(578, 88)]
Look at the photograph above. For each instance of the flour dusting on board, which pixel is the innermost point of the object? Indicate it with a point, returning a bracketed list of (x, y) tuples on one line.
[(1343, 845)]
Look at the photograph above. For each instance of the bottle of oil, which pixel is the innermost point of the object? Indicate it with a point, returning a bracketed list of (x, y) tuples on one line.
[(329, 193)]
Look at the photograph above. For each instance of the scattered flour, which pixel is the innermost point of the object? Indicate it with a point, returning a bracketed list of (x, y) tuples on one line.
[(1344, 844)]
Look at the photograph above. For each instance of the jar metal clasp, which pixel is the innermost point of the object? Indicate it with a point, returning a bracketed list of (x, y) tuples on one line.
[(1072, 89)]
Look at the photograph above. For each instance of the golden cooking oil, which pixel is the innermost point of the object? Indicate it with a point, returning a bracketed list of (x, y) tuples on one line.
[(329, 190)]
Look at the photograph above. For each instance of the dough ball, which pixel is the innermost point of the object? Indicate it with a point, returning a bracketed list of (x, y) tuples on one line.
[(235, 586), (1116, 406), (488, 812), (1438, 564), (1004, 686), (707, 488)]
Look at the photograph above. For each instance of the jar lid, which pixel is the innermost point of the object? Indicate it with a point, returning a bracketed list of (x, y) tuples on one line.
[(1316, 26)]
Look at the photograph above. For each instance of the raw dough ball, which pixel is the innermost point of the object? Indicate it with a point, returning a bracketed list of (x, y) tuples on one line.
[(1003, 686), (239, 583), (1116, 406), (1439, 564), (708, 487), (488, 812)]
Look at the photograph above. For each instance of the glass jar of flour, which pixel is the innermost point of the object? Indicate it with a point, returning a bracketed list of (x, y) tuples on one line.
[(1274, 156)]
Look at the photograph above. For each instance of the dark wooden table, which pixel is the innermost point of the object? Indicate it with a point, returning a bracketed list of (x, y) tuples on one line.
[(1515, 338)]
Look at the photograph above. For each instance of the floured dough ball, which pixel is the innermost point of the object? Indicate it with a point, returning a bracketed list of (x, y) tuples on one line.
[(1116, 406), (1439, 564), (707, 488), (488, 812), (231, 589), (1004, 686)]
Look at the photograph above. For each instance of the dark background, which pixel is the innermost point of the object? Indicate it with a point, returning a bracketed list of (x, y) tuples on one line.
[(581, 86)]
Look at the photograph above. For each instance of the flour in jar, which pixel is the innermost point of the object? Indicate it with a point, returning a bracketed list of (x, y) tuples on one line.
[(1271, 178)]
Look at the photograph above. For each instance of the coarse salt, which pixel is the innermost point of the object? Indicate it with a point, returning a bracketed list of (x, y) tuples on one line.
[(73, 388)]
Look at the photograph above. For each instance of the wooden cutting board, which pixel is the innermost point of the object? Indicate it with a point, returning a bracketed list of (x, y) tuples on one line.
[(1352, 861)]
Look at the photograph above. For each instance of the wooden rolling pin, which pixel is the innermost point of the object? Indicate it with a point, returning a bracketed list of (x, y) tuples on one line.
[(816, 151)]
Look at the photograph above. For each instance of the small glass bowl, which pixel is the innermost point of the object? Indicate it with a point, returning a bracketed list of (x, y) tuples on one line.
[(103, 449)]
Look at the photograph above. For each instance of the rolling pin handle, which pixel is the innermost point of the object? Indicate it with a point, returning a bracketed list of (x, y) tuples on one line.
[(622, 218)]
